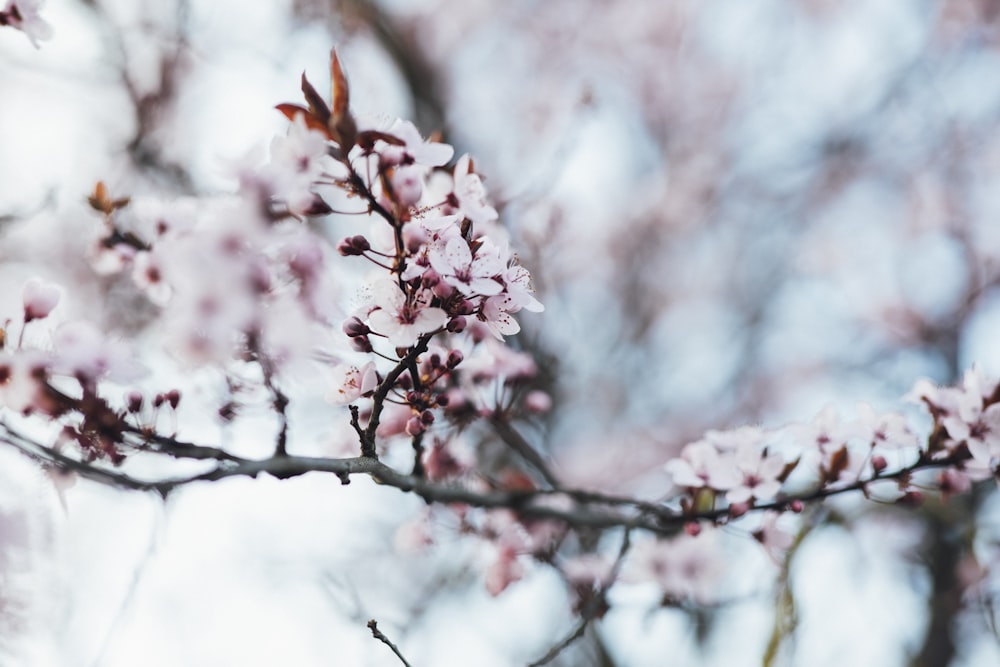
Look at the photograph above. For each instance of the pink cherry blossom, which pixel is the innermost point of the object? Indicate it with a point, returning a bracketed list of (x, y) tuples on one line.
[(964, 415), (470, 195), (20, 388), (518, 282), (683, 567), (496, 315), (759, 472), (416, 149), (701, 465), (24, 15), (39, 299), (84, 352), (888, 430), (401, 318), (351, 382), (297, 161), (470, 274)]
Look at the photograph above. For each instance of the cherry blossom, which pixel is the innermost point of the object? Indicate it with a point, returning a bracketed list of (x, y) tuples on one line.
[(968, 413), (21, 389), (701, 465), (470, 195), (39, 299), (84, 352), (24, 15), (470, 274), (401, 318), (683, 567), (888, 430), (350, 382), (297, 161), (760, 473), (415, 149)]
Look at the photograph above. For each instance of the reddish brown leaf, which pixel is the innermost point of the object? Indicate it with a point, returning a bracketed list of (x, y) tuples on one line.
[(290, 111), (317, 107), (838, 464), (102, 201), (340, 96), (787, 470)]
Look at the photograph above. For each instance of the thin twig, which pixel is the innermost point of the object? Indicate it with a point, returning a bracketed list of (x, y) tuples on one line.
[(577, 632), (595, 608), (377, 634), (513, 439)]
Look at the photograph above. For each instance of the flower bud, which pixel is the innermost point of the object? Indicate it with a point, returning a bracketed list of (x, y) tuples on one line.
[(355, 245), (456, 324), (174, 398), (455, 357), (738, 509), (355, 327), (404, 381), (39, 299), (414, 426), (362, 344), (133, 401), (538, 402)]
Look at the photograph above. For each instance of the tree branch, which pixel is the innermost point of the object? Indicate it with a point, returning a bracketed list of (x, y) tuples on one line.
[(377, 634)]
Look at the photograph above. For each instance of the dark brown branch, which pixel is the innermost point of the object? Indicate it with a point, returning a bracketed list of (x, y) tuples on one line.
[(533, 504), (595, 608), (378, 399)]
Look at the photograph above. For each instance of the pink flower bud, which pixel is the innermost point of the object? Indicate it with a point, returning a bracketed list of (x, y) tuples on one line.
[(355, 327), (404, 381), (879, 463), (174, 398), (430, 278), (134, 401), (456, 324), (414, 426), (538, 401), (692, 528), (442, 290), (361, 344), (39, 299), (455, 357), (796, 506), (738, 509), (355, 245), (317, 207)]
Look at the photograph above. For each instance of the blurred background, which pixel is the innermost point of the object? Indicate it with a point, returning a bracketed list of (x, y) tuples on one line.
[(735, 212)]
